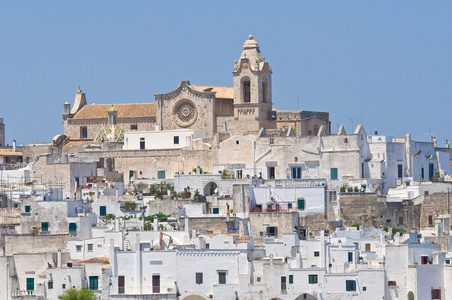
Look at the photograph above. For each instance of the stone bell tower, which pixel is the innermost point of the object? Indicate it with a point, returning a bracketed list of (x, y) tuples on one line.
[(252, 88)]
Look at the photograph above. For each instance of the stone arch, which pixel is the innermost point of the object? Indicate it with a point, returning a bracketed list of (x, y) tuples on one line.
[(194, 296), (306, 296), (410, 295), (209, 188)]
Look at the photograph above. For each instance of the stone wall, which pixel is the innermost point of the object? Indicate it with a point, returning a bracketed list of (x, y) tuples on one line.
[(35, 243), (434, 205)]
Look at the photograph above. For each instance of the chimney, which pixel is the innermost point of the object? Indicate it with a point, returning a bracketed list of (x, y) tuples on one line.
[(14, 145), (117, 195), (59, 262)]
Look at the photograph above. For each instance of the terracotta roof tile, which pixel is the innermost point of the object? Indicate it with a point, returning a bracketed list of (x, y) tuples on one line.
[(223, 92), (100, 111), (91, 260), (10, 152)]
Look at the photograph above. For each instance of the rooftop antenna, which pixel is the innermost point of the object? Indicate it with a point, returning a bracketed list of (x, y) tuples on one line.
[(353, 130)]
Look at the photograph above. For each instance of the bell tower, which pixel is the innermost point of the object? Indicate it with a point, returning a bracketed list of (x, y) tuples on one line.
[(252, 87)]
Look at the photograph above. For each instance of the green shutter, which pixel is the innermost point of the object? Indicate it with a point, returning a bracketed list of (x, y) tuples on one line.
[(333, 173), (161, 174), (72, 227), (93, 282), (27, 209), (30, 284), (44, 226), (102, 210), (290, 205), (216, 210), (301, 203)]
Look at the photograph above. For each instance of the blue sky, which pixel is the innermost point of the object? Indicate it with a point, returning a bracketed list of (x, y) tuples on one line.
[(385, 64)]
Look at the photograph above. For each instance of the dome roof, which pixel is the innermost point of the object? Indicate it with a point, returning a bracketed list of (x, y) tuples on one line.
[(112, 108), (110, 133)]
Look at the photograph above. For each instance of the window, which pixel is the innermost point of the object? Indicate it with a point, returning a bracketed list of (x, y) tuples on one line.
[(364, 289), (399, 171), (422, 173), (400, 220), (156, 283), (121, 284), (431, 171), (350, 256), (27, 208), (216, 210), (392, 283), (239, 174), (436, 294), (447, 261), (350, 285), (63, 286), (50, 285), (94, 282), (207, 246), (246, 91), (272, 141), (176, 140), (312, 279), (78, 248), (30, 284), (90, 247), (142, 143), (424, 259), (198, 278), (236, 142), (134, 127), (332, 195), (271, 172), (290, 279), (333, 172), (283, 283), (72, 227), (102, 211), (83, 132), (289, 205), (161, 175), (272, 231), (345, 140), (45, 226), (296, 172), (368, 247), (258, 279), (430, 220), (222, 277), (301, 203), (316, 253), (269, 207)]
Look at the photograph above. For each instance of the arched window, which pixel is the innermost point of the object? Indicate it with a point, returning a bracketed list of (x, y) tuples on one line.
[(72, 227), (410, 296), (246, 89)]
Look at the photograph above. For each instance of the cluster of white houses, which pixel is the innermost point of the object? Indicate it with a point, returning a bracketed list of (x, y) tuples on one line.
[(259, 203)]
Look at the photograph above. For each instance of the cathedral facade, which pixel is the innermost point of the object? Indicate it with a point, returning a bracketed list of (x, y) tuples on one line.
[(220, 112)]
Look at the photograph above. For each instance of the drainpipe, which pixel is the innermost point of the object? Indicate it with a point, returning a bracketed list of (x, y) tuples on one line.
[(138, 265)]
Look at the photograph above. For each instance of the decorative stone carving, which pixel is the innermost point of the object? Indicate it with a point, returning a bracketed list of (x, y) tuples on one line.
[(185, 113)]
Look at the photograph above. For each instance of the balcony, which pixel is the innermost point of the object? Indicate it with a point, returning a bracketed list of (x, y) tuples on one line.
[(24, 294)]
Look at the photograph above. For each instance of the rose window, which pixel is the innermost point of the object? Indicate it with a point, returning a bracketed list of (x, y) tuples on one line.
[(185, 113)]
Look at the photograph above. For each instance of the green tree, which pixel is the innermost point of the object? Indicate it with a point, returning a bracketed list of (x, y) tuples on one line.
[(75, 294)]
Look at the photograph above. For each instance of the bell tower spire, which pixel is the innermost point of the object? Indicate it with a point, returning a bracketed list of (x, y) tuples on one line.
[(252, 86)]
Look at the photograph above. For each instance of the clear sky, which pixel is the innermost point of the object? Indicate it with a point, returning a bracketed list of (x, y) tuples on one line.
[(385, 64)]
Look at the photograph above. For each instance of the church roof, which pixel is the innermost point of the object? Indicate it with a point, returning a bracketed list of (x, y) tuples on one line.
[(100, 111), (223, 92), (110, 133), (10, 152)]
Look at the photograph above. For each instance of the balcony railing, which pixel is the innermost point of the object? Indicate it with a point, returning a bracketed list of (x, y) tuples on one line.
[(23, 293)]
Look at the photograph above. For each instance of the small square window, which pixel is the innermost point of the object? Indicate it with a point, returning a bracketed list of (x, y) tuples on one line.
[(237, 142), (316, 253), (199, 279), (90, 247), (313, 279), (350, 285), (258, 279), (78, 248), (364, 288), (63, 286), (27, 208), (447, 261), (44, 226), (134, 127)]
